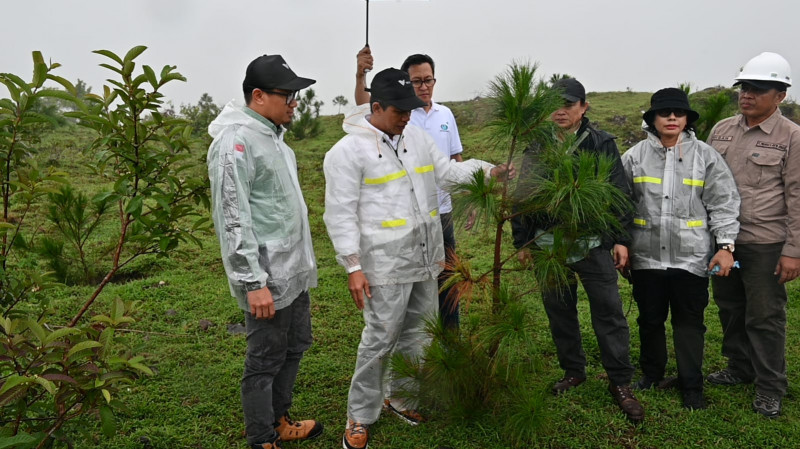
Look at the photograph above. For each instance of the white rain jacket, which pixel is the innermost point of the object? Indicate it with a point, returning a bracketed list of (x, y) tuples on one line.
[(259, 213), (685, 198), (381, 208)]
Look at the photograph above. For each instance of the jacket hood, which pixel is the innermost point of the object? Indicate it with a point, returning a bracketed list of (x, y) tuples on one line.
[(233, 114), (355, 122)]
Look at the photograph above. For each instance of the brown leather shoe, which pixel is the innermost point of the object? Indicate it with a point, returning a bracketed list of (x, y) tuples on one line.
[(567, 383), (627, 402), (297, 430)]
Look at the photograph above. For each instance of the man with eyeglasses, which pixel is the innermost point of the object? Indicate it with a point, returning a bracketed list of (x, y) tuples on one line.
[(261, 221), (594, 260), (762, 149), (438, 121)]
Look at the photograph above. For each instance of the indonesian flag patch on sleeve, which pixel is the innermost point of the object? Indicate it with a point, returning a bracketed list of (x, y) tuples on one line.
[(239, 150)]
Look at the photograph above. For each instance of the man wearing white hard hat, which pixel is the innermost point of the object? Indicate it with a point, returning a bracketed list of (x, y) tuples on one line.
[(762, 148)]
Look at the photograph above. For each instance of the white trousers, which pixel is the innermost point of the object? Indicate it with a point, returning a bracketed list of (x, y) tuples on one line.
[(394, 320)]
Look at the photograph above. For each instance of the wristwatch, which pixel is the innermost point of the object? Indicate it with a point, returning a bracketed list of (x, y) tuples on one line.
[(726, 246)]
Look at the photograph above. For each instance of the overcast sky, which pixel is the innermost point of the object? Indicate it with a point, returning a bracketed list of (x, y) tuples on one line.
[(609, 45)]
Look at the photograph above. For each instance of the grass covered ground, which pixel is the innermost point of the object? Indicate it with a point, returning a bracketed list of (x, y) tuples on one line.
[(193, 400)]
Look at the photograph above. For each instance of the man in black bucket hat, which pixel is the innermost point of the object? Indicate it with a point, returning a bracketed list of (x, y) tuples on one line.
[(266, 245), (382, 215)]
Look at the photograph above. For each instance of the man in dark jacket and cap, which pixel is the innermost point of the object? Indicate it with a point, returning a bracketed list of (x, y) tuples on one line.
[(594, 261)]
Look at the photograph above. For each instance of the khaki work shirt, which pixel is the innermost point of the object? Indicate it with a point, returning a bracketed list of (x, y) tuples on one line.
[(765, 161)]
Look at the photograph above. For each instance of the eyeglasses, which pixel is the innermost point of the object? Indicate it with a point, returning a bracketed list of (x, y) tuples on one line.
[(427, 81), (752, 90), (667, 112), (290, 96)]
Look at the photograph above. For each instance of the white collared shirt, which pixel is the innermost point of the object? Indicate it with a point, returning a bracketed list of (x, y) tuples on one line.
[(440, 124)]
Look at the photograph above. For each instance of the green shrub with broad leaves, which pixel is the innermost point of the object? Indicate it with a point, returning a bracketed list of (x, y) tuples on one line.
[(49, 373)]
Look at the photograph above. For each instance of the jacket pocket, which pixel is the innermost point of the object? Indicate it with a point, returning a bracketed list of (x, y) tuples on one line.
[(641, 234), (694, 236)]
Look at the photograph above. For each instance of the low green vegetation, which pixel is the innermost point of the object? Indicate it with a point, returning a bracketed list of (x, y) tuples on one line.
[(187, 335)]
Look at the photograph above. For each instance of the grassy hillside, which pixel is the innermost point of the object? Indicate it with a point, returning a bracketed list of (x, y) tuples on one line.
[(193, 400)]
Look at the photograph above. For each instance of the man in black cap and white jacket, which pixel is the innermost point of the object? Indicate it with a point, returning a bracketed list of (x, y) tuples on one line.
[(381, 211), (266, 245)]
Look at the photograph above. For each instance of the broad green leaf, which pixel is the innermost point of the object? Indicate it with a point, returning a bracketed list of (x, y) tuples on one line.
[(107, 395), (14, 380), (37, 330), (39, 74), (141, 367), (19, 440), (37, 57), (83, 345), (49, 386), (107, 421), (134, 52), (61, 333), (56, 93), (109, 55), (17, 81), (128, 68), (111, 67), (67, 85), (134, 206), (151, 75), (117, 309)]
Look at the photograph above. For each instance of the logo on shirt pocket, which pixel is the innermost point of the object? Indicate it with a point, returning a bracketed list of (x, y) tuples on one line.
[(444, 127)]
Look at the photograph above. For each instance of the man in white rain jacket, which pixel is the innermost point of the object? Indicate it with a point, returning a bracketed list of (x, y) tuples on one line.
[(261, 221), (381, 211)]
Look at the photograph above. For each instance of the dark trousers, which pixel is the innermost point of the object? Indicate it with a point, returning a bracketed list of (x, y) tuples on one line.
[(448, 307), (599, 279), (274, 350), (685, 295), (752, 310)]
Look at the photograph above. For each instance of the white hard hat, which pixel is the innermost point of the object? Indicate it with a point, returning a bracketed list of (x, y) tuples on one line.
[(766, 67)]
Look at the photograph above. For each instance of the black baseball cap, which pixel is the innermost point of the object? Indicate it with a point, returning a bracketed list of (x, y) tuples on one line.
[(571, 90), (272, 72), (393, 87)]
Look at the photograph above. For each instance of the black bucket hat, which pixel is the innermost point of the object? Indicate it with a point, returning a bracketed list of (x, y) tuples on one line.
[(670, 98), (394, 88), (272, 72)]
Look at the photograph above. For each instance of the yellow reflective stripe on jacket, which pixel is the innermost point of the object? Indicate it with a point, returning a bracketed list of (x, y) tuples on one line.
[(694, 223), (394, 223), (385, 179), (640, 221), (649, 179), (424, 169), (694, 182), (434, 212)]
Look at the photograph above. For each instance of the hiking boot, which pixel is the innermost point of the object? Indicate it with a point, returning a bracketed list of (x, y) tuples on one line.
[(694, 400), (274, 444), (410, 416), (727, 377), (624, 397), (297, 430), (356, 435), (767, 405), (567, 383)]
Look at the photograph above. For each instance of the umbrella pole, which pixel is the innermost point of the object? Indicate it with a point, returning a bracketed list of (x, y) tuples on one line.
[(367, 23)]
